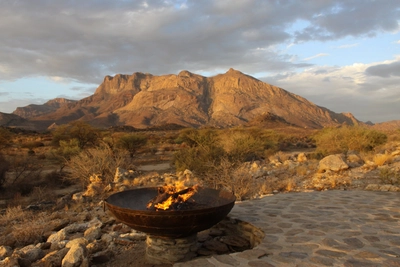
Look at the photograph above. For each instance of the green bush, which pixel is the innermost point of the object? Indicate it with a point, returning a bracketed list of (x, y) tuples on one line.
[(79, 130), (340, 140), (131, 142), (202, 151)]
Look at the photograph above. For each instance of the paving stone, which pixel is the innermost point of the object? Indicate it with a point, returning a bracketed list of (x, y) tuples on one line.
[(353, 242), (331, 253)]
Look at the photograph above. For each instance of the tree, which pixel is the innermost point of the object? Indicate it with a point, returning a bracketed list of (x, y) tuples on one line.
[(5, 136), (79, 130), (132, 142)]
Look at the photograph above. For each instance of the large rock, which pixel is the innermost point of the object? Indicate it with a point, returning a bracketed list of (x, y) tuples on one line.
[(332, 163), (77, 254)]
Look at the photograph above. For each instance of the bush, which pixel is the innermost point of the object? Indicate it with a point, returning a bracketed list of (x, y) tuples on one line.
[(79, 130), (101, 160), (201, 153), (345, 138), (389, 176), (241, 145), (131, 142), (4, 166)]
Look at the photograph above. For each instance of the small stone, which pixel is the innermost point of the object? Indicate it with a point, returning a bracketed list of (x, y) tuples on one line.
[(31, 253), (235, 241), (5, 251), (53, 258), (92, 233), (216, 246)]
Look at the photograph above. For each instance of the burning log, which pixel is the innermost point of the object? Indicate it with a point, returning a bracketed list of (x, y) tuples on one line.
[(169, 198)]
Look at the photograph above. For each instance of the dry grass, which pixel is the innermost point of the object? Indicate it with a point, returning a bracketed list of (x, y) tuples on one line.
[(22, 227), (382, 159)]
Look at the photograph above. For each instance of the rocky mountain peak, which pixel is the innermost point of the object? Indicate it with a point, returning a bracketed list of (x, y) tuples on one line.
[(233, 98)]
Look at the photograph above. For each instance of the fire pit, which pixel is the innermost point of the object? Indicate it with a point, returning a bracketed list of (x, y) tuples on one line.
[(172, 234), (130, 208)]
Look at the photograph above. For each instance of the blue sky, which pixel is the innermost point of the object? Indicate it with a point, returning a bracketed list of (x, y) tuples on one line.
[(342, 55)]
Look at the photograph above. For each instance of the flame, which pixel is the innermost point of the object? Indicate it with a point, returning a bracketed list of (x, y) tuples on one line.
[(176, 194), (165, 205)]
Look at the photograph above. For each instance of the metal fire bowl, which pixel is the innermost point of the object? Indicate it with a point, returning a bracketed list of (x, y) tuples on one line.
[(129, 207)]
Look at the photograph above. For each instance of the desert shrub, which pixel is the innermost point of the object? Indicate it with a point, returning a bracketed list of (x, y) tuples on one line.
[(389, 176), (345, 138), (242, 145), (131, 142), (4, 166), (5, 137), (201, 153), (24, 169), (232, 177), (100, 160), (32, 144), (79, 130)]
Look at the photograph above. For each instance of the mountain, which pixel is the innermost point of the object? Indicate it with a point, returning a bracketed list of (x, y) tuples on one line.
[(387, 126), (37, 110), (144, 100)]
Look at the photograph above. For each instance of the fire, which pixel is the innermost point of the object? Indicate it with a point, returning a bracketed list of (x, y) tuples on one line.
[(172, 197)]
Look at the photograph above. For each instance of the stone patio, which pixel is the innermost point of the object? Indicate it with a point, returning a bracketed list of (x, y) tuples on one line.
[(327, 228)]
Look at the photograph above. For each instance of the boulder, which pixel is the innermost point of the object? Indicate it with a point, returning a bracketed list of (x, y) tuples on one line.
[(77, 254), (332, 163)]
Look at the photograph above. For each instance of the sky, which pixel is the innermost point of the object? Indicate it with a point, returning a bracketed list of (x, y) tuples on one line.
[(342, 55)]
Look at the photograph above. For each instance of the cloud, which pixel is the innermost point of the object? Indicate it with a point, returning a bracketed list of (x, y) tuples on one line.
[(384, 70), (347, 46), (346, 89), (316, 56), (84, 41)]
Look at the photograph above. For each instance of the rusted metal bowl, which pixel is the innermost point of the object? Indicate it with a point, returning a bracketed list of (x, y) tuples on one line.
[(129, 207)]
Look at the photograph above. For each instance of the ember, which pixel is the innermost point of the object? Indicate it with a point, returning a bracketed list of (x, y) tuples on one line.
[(173, 198)]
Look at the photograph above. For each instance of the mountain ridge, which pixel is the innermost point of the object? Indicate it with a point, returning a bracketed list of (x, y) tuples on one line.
[(143, 100)]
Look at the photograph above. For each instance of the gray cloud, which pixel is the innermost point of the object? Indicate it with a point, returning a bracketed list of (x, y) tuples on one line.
[(384, 70), (86, 40)]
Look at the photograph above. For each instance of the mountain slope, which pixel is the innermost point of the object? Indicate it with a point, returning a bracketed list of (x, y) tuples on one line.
[(230, 99)]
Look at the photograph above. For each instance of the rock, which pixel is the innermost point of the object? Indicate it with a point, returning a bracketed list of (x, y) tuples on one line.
[(215, 245), (236, 241), (77, 241), (5, 251), (9, 262), (372, 187), (134, 236), (76, 256), (78, 197), (53, 258), (31, 253), (332, 163), (92, 233), (58, 236), (301, 157)]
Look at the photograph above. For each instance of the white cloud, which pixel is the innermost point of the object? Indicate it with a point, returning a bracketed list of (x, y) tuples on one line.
[(347, 46), (316, 56)]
